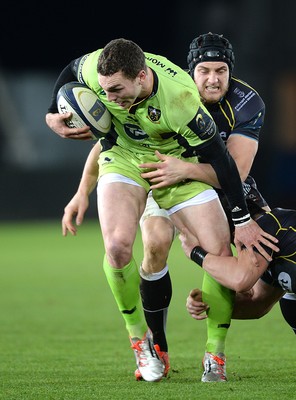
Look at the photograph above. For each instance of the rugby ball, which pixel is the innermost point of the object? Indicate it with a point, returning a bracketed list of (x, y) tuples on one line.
[(86, 108)]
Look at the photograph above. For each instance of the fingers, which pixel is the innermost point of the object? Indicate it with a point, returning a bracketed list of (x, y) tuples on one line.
[(197, 309), (195, 306), (151, 175), (155, 165), (196, 294), (268, 240), (77, 134), (160, 156), (158, 185), (269, 237), (68, 226), (199, 317), (252, 236), (252, 255), (150, 166), (80, 216), (262, 252)]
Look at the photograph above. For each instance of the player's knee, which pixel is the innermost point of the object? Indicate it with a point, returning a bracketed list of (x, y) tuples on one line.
[(157, 245), (119, 250)]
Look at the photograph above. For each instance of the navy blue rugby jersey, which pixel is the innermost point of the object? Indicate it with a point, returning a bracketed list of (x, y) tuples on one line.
[(281, 272), (240, 112)]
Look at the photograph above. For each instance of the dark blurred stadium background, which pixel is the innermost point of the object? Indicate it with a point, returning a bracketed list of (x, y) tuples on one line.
[(39, 171)]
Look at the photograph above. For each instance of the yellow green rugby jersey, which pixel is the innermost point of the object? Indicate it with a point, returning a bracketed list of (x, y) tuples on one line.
[(161, 121)]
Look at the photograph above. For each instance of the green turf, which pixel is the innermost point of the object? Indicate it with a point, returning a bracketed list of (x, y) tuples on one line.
[(61, 335)]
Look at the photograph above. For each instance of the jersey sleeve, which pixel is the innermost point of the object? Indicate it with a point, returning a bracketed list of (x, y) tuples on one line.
[(67, 75), (251, 128), (212, 150), (248, 108)]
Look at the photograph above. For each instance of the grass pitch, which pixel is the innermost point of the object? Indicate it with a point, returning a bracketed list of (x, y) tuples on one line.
[(62, 337)]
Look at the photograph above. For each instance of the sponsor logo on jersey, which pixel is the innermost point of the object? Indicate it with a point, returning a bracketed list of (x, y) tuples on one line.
[(135, 132), (284, 280), (245, 99), (239, 92), (162, 65), (200, 122), (154, 114), (206, 126), (223, 135)]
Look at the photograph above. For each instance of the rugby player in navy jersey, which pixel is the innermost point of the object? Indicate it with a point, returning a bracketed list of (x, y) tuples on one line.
[(258, 285), (238, 111)]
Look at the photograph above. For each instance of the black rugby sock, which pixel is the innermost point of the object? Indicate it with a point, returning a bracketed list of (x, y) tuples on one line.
[(156, 296)]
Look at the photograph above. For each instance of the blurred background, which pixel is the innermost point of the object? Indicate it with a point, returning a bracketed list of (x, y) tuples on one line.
[(39, 171)]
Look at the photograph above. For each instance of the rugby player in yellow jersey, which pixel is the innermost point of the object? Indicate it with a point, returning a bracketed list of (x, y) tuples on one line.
[(155, 105)]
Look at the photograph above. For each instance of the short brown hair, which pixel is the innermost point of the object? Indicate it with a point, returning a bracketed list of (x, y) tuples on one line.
[(121, 55)]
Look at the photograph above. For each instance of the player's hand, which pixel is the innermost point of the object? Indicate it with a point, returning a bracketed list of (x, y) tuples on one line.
[(56, 123), (188, 241), (168, 171), (251, 235), (76, 207), (195, 306)]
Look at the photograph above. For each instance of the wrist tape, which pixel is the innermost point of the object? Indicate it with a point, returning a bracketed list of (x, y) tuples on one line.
[(198, 254), (240, 221)]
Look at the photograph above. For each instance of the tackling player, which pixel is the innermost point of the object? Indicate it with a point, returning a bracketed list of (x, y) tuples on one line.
[(254, 297), (239, 112)]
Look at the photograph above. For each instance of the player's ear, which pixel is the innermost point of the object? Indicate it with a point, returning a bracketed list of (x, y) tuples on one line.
[(142, 75)]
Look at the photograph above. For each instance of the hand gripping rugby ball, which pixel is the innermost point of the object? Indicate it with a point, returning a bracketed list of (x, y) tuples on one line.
[(86, 108)]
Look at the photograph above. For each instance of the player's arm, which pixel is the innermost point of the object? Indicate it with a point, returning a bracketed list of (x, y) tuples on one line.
[(237, 273), (80, 201), (243, 150), (172, 170), (256, 302), (242, 145), (56, 121), (214, 151), (252, 304), (247, 231)]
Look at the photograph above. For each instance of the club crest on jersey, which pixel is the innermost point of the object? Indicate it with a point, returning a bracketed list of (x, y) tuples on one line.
[(154, 114)]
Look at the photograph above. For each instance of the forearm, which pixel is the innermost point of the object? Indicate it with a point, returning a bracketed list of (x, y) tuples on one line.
[(216, 153), (238, 274), (90, 172), (201, 172), (229, 273)]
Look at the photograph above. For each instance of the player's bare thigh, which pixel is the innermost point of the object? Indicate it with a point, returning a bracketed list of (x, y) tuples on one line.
[(120, 206), (208, 222)]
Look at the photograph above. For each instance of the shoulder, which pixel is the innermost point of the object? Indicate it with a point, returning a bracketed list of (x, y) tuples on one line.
[(247, 107), (170, 73), (285, 216), (87, 70), (175, 90), (244, 98), (276, 219)]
